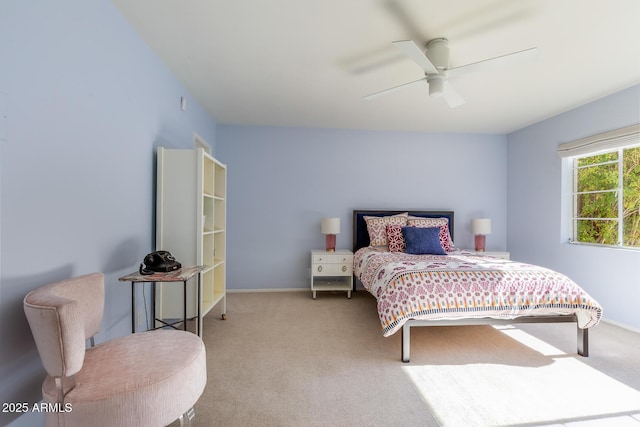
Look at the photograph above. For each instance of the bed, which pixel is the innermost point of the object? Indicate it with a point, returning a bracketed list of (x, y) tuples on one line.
[(407, 261)]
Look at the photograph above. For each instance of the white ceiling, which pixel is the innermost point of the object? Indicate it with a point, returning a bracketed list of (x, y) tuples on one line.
[(310, 62)]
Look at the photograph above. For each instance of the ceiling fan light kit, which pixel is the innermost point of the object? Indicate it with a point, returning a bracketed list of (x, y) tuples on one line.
[(436, 85), (435, 64)]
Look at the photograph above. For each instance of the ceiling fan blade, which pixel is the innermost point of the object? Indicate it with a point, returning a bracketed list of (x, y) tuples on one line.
[(409, 48), (393, 89), (406, 18), (450, 95), (492, 62)]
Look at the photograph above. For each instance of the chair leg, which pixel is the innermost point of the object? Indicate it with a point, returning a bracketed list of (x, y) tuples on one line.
[(187, 417)]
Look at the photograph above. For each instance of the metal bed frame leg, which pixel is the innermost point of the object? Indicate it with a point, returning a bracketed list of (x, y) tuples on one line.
[(582, 335), (583, 342), (406, 342)]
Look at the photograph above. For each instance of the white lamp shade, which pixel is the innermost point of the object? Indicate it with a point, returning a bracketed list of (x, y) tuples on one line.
[(330, 226), (481, 226)]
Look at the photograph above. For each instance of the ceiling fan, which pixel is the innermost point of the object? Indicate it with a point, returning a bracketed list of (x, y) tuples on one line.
[(435, 63)]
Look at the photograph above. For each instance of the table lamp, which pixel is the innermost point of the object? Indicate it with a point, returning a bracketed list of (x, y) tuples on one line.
[(480, 227), (330, 227)]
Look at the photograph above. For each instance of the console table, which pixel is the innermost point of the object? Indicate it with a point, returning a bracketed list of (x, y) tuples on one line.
[(181, 275)]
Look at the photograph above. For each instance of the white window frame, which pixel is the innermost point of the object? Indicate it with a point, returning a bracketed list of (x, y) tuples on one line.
[(614, 141), (618, 190)]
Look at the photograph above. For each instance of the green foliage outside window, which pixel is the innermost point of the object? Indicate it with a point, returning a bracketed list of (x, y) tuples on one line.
[(597, 191)]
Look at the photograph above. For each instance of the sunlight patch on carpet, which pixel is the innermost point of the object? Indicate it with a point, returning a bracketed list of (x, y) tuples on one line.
[(484, 394)]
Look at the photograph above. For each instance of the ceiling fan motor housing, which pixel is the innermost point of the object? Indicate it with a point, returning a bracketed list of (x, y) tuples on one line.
[(438, 53)]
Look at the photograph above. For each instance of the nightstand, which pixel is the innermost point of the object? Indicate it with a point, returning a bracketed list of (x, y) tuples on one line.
[(331, 271), (495, 254)]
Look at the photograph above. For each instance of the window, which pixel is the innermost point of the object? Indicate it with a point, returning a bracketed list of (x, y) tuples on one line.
[(605, 187), (606, 198)]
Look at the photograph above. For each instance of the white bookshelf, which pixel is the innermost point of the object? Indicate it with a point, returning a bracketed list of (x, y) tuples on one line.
[(191, 224)]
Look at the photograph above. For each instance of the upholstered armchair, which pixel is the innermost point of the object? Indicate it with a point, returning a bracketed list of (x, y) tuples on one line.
[(145, 379)]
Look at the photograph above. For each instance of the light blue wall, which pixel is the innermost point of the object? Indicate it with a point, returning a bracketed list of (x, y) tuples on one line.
[(283, 181), (88, 103), (536, 230)]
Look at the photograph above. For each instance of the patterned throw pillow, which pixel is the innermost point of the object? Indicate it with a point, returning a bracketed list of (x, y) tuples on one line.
[(423, 240), (443, 223), (376, 226), (395, 238)]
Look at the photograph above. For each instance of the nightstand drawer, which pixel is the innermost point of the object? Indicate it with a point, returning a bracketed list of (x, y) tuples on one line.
[(327, 269), (331, 259), (495, 254)]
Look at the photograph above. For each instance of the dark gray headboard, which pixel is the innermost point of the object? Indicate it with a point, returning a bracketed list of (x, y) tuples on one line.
[(361, 235)]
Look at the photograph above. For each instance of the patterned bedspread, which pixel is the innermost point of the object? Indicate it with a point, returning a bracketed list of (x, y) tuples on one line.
[(462, 285)]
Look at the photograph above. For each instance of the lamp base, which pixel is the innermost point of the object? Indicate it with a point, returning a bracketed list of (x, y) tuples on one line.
[(480, 241), (331, 242)]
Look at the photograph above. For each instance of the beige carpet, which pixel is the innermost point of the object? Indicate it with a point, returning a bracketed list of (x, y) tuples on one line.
[(283, 359)]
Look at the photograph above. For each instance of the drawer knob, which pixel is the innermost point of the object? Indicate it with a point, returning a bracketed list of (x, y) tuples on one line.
[(319, 268), (344, 268)]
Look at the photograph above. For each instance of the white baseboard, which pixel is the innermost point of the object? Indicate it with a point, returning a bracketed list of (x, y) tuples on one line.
[(238, 291), (621, 325)]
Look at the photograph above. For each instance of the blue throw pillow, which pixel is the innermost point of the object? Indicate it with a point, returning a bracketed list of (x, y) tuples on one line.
[(421, 240)]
